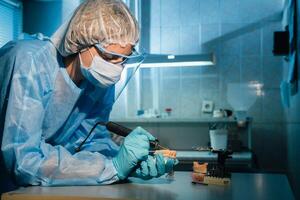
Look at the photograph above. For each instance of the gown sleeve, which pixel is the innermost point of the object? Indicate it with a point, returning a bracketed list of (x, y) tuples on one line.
[(26, 153)]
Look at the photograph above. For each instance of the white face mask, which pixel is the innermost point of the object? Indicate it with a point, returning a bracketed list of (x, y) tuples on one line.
[(101, 73)]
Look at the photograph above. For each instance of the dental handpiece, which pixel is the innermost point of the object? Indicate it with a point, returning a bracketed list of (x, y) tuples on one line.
[(121, 131), (124, 131), (154, 145)]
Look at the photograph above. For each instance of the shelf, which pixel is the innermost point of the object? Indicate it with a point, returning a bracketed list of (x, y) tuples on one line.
[(206, 156), (174, 120)]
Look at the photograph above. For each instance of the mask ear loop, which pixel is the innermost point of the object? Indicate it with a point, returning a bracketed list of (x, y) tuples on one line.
[(88, 49), (90, 53)]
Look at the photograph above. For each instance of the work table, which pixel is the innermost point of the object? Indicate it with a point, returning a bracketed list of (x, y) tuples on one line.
[(243, 186)]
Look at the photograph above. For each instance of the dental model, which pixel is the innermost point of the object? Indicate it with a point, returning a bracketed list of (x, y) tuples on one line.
[(204, 175), (200, 168), (166, 153)]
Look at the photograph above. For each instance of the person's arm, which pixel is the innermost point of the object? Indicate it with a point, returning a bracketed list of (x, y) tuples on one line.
[(27, 155)]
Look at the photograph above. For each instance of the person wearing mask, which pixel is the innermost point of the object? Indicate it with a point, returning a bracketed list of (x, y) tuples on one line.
[(53, 90)]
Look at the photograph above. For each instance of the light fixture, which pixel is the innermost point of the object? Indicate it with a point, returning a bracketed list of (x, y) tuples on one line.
[(159, 60)]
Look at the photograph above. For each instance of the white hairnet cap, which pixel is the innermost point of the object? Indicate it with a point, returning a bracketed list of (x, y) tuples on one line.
[(97, 21)]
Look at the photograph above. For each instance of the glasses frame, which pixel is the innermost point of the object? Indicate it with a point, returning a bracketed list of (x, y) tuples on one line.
[(134, 54)]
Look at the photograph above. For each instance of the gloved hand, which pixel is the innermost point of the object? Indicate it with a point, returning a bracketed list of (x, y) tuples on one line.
[(154, 166), (134, 149)]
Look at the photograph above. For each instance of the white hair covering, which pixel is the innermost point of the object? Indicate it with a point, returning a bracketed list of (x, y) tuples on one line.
[(97, 21)]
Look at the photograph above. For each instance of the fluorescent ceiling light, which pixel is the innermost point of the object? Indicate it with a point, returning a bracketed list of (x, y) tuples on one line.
[(177, 64), (157, 60)]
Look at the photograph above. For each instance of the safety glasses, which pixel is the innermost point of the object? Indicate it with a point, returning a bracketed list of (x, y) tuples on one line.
[(131, 63), (134, 57)]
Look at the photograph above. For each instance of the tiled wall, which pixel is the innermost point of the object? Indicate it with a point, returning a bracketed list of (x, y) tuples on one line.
[(293, 132), (46, 16), (293, 139), (35, 13), (240, 33)]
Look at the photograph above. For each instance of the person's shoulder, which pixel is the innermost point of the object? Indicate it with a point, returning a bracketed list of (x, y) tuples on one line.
[(30, 47), (31, 53), (31, 58), (23, 48)]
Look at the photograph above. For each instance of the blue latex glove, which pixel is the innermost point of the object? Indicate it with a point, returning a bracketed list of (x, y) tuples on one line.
[(134, 149), (154, 166)]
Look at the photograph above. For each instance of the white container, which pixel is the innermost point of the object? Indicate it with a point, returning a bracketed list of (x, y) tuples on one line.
[(218, 139)]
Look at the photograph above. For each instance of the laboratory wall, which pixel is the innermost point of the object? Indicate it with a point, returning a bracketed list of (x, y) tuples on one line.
[(293, 129), (42, 16), (240, 34), (293, 139), (46, 16)]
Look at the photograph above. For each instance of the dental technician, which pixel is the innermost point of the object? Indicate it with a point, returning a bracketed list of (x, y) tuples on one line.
[(53, 90)]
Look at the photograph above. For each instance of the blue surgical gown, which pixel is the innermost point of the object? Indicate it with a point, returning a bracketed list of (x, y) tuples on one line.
[(48, 116)]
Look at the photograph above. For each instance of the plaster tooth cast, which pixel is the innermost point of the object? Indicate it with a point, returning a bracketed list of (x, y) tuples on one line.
[(168, 154)]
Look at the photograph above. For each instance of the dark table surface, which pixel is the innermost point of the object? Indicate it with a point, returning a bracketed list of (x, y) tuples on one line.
[(243, 187)]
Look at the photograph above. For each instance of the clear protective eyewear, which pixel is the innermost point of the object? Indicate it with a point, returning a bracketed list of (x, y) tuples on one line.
[(130, 62), (123, 59)]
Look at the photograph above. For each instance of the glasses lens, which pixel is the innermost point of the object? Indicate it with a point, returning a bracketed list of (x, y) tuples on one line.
[(110, 54)]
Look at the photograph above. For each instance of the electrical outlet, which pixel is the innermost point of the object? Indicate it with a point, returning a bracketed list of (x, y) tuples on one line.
[(207, 106)]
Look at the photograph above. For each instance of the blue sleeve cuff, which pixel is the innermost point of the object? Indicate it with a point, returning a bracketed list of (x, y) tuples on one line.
[(110, 174)]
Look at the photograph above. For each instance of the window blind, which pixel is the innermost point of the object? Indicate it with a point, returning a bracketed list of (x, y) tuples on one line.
[(10, 21)]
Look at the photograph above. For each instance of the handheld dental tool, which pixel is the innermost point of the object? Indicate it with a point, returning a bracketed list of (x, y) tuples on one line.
[(121, 131)]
